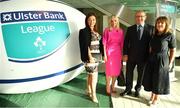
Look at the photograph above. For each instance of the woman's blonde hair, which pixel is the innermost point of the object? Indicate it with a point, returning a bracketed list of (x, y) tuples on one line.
[(162, 19), (117, 26)]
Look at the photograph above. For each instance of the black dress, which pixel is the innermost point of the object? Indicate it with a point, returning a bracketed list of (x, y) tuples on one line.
[(156, 73)]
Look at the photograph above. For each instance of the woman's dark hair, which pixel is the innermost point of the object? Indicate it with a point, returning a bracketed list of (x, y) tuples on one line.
[(86, 20), (162, 19)]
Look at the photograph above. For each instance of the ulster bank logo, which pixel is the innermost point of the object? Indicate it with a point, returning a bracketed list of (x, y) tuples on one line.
[(33, 35), (32, 16)]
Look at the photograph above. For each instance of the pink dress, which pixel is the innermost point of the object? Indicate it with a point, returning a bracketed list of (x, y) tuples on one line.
[(113, 42)]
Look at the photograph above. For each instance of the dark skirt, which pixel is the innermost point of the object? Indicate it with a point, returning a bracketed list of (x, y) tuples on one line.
[(156, 74)]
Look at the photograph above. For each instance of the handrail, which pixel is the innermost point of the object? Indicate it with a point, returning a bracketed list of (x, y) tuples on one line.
[(104, 11), (178, 29)]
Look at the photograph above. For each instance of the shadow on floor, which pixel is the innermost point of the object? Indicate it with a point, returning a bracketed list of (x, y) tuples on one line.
[(7, 103), (77, 87)]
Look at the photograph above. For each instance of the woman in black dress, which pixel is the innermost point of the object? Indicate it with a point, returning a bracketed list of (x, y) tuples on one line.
[(162, 52)]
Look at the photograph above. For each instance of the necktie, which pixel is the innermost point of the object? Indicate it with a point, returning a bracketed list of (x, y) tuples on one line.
[(139, 32)]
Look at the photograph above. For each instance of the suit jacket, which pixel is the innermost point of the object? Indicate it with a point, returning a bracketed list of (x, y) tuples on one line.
[(137, 50), (84, 42)]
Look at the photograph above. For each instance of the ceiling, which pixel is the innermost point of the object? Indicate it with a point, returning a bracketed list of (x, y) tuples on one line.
[(147, 5)]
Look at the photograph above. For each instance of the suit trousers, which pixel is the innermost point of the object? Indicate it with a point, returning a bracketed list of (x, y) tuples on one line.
[(130, 73)]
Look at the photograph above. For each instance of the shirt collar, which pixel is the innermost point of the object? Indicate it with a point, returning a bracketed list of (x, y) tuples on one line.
[(141, 25)]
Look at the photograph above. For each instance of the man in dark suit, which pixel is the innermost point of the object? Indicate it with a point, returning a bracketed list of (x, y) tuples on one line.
[(136, 50)]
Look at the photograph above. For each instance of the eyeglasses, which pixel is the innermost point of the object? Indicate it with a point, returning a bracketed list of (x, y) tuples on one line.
[(140, 16)]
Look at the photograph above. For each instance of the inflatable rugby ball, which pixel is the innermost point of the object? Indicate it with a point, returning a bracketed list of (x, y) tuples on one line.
[(39, 45)]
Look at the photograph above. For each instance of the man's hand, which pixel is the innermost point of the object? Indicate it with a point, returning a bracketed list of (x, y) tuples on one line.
[(125, 58)]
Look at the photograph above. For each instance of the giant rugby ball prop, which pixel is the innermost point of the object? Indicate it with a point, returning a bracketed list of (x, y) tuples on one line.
[(39, 47)]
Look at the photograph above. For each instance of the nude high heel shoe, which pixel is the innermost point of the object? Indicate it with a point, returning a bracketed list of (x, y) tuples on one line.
[(94, 98), (154, 104)]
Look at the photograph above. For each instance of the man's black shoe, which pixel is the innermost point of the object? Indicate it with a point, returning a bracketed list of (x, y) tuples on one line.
[(136, 94), (125, 93)]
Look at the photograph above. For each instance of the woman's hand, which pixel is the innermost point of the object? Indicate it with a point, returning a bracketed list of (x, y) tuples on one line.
[(105, 58), (92, 60), (170, 66)]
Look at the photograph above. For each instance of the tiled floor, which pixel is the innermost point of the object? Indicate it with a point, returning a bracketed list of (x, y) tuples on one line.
[(166, 101)]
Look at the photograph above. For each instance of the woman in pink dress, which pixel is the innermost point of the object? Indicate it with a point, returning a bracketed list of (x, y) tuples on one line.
[(113, 39)]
